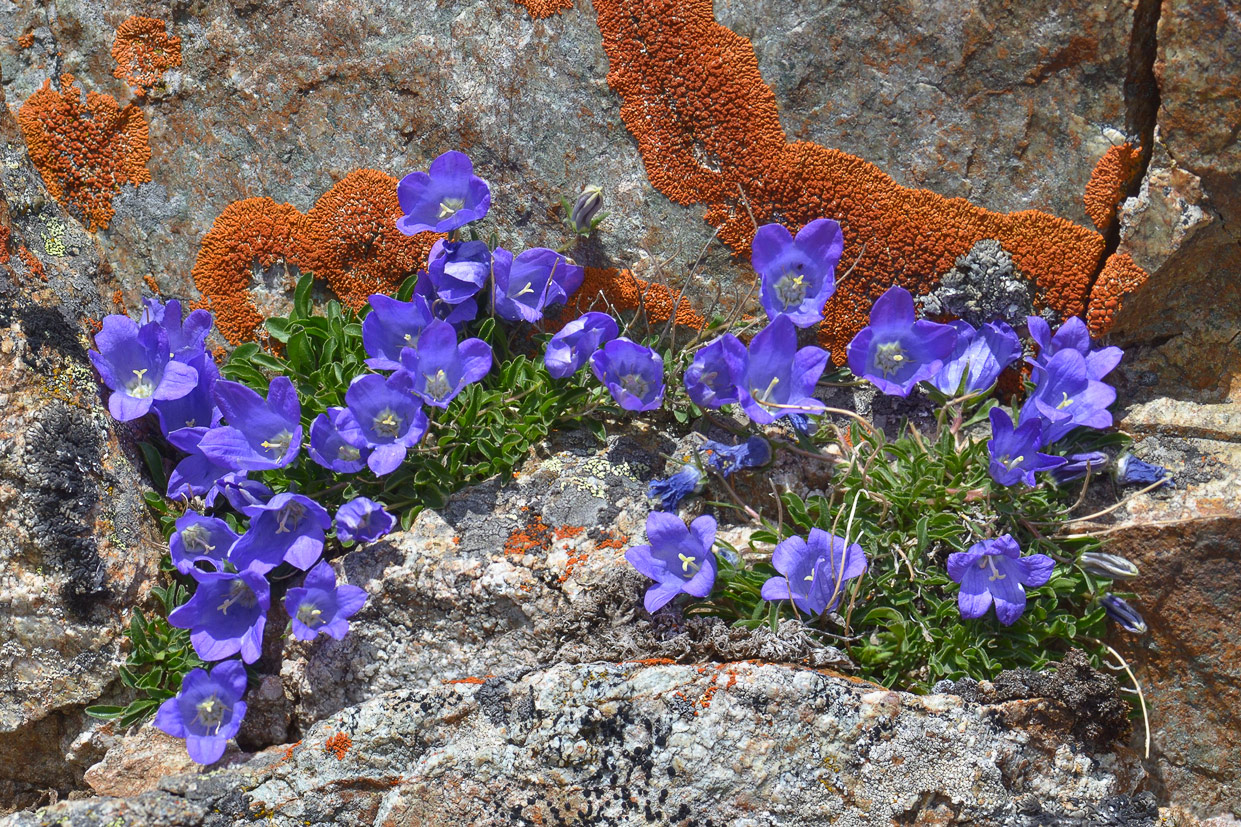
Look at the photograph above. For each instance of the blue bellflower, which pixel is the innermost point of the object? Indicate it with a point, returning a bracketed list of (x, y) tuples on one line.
[(320, 606), (711, 379), (1064, 397), (287, 529), (679, 558), (330, 450), (978, 358), (777, 379), (200, 539), (726, 459), (243, 494), (813, 571), (440, 368), (384, 417), (633, 374), (896, 351), (136, 363), (226, 615), (1072, 335), (1014, 451), (195, 475), (261, 433), (797, 275), (186, 337), (1132, 471), (993, 571), (458, 269), (456, 315), (446, 197), (197, 408), (669, 492), (207, 711), (363, 521), (524, 285), (569, 349), (1124, 614), (392, 326), (1076, 466)]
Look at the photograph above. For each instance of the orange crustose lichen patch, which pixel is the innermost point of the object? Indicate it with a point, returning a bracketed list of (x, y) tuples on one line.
[(26, 40), (1121, 276), (708, 128), (1108, 182), (339, 745), (352, 241), (143, 51), (627, 292), (539, 9), (254, 232), (85, 151), (534, 536)]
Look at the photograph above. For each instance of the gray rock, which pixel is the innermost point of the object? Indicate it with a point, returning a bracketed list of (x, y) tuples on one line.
[(982, 287)]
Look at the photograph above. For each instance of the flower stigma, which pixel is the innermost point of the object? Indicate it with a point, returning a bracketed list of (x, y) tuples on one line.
[(238, 592), (141, 387), (449, 207), (290, 512), (387, 423), (437, 385), (889, 358)]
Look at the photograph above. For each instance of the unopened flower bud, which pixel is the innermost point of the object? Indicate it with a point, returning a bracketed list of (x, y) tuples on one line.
[(1107, 565), (1124, 614), (1132, 471), (1078, 465), (587, 207)]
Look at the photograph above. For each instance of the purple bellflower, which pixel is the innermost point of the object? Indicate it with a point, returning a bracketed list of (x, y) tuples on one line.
[(392, 326), (993, 571), (978, 358), (226, 615), (242, 493), (633, 374), (458, 269), (524, 285), (384, 417), (456, 315), (778, 379), (896, 351), (135, 362), (679, 558), (1064, 397), (711, 379), (185, 338), (569, 349), (200, 539), (1076, 466), (449, 196), (207, 711), (798, 275), (197, 408), (439, 368), (195, 475), (287, 529), (1124, 614), (363, 521), (669, 492), (813, 571), (1072, 335), (1014, 451), (322, 606), (1132, 471), (261, 433), (330, 450), (726, 459)]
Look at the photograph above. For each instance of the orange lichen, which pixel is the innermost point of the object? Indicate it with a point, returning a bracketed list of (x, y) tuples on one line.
[(339, 745), (534, 536), (538, 9), (1121, 276), (152, 284), (32, 262), (568, 532), (352, 241), (1108, 183), (85, 151), (613, 540), (708, 129), (625, 292), (143, 51), (26, 40), (249, 234), (467, 680)]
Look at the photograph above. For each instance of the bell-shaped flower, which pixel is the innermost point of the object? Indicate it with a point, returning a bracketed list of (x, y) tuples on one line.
[(679, 558), (440, 368), (363, 521), (195, 475), (711, 379), (978, 358), (669, 492), (243, 494), (457, 315), (1077, 465), (1132, 471), (449, 196), (752, 453), (320, 606), (524, 285), (458, 269), (186, 337), (798, 275), (813, 571), (136, 363), (261, 434), (328, 447), (197, 408), (289, 528), (199, 539), (1064, 397), (207, 711), (896, 351), (993, 571), (779, 379), (383, 416), (1014, 451), (226, 615), (633, 374), (1072, 335), (390, 327), (569, 349)]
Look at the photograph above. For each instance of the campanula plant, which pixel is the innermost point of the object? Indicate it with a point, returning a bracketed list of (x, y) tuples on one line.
[(207, 711), (777, 378), (680, 559), (137, 364), (444, 198), (320, 606), (797, 275), (896, 350), (632, 373), (570, 348)]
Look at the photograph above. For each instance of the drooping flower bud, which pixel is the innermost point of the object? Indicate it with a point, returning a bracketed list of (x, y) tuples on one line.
[(1132, 471), (586, 208), (1107, 565), (1124, 614)]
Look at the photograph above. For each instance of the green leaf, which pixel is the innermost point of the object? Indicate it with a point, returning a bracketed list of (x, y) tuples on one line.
[(105, 712), (301, 296), (155, 466)]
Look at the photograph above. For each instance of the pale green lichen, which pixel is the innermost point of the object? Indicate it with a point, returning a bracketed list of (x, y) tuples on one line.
[(54, 237)]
